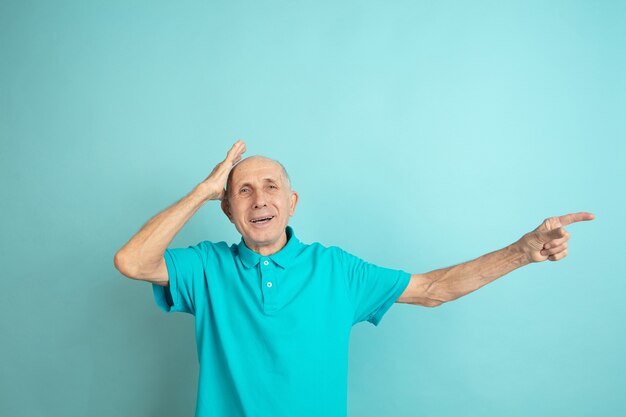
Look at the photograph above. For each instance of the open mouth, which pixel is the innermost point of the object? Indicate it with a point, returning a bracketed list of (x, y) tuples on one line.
[(262, 220)]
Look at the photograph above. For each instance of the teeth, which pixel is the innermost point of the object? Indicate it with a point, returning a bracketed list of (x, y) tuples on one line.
[(265, 218)]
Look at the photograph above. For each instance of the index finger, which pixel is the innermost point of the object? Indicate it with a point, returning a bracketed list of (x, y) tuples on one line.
[(236, 151), (576, 217), (236, 146)]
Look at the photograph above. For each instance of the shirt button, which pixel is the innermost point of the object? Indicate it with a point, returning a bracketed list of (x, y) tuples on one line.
[(269, 285), (266, 263)]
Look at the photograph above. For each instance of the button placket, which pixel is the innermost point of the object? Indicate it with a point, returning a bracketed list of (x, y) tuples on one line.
[(267, 284)]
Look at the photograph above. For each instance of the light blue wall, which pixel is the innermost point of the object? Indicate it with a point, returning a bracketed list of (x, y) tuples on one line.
[(419, 136)]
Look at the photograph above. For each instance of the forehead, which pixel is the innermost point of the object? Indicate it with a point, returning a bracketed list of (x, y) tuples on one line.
[(256, 169)]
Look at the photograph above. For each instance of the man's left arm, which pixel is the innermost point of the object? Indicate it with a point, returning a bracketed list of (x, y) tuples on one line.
[(546, 242)]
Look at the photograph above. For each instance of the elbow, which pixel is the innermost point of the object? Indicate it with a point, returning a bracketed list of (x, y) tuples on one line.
[(434, 297), (431, 302), (423, 291), (117, 261), (121, 264)]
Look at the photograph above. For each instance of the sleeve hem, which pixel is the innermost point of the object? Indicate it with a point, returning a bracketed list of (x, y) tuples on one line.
[(160, 291), (403, 283)]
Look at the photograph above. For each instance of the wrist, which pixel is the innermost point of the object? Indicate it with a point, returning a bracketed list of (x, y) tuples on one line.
[(204, 192), (523, 250)]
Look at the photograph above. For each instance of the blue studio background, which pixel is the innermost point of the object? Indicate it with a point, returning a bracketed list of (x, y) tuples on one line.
[(418, 135)]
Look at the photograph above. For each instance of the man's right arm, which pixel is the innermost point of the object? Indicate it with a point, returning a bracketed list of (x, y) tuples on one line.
[(142, 257)]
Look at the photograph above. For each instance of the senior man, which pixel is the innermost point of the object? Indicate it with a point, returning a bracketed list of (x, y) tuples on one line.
[(273, 314)]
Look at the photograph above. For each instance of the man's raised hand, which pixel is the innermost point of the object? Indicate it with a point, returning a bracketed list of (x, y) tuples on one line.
[(549, 240), (216, 181)]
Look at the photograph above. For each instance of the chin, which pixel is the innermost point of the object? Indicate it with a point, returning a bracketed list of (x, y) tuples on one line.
[(268, 234)]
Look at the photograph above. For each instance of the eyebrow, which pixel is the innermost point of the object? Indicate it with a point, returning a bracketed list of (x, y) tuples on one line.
[(267, 179)]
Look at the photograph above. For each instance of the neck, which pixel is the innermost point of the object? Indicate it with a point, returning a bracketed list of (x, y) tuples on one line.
[(268, 249)]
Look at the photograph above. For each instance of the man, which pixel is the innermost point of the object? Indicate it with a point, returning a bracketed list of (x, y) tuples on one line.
[(273, 315)]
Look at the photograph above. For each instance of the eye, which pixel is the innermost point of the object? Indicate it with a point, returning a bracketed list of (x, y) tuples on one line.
[(273, 186), (243, 189)]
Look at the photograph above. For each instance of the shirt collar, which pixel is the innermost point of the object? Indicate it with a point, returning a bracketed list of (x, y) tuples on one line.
[(283, 257)]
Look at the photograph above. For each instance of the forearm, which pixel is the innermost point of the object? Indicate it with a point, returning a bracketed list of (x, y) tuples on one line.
[(144, 251), (450, 283)]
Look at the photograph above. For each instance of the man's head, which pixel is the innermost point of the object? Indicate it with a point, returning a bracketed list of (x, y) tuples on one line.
[(257, 188)]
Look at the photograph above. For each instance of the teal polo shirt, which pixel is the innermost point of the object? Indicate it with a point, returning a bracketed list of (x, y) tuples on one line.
[(272, 332)]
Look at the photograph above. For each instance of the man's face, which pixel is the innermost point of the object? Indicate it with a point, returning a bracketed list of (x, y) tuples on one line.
[(258, 191)]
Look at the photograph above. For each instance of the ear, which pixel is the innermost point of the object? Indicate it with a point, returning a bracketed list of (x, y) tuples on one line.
[(293, 202), (226, 209)]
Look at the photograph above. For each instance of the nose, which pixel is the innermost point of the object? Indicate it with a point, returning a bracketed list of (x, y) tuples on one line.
[(259, 199)]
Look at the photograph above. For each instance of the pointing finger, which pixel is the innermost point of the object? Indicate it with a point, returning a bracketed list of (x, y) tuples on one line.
[(576, 217)]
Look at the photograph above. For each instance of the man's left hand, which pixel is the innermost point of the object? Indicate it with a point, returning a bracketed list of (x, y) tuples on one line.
[(549, 240)]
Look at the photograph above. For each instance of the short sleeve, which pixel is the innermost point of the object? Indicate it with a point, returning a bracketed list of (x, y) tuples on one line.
[(185, 268), (373, 289)]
